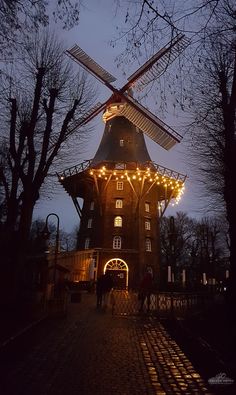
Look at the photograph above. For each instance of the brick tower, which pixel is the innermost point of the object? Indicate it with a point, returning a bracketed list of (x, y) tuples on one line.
[(123, 192)]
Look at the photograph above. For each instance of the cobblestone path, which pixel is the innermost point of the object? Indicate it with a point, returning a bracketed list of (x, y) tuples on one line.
[(92, 352)]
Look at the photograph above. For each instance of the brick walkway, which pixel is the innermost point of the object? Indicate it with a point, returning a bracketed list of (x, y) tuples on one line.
[(92, 352)]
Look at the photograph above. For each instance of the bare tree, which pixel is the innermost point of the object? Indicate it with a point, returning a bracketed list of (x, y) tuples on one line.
[(213, 142), (38, 121), (195, 245), (175, 235), (25, 15)]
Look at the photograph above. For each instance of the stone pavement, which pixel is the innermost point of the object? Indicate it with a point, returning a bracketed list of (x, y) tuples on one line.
[(92, 352)]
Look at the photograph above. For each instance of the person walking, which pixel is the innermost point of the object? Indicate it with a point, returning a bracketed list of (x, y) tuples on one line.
[(108, 285), (103, 287), (100, 287), (145, 290)]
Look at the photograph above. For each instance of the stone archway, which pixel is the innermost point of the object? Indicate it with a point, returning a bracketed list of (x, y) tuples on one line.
[(119, 271)]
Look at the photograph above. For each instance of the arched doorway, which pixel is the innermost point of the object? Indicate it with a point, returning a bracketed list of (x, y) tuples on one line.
[(119, 271)]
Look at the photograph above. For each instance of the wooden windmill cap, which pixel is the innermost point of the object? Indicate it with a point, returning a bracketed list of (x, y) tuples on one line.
[(122, 142)]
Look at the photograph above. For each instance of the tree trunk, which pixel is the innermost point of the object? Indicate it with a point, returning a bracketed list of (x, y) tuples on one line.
[(27, 209)]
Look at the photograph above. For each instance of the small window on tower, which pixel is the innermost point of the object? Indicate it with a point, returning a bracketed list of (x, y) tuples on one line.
[(92, 206), (148, 245), (147, 207), (118, 221), (119, 203), (117, 243), (147, 224), (121, 143), (119, 185), (87, 243), (90, 223)]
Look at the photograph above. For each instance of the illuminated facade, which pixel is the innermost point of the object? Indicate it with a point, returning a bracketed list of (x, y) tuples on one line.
[(124, 194)]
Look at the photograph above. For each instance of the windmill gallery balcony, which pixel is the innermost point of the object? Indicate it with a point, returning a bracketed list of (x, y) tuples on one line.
[(170, 182)]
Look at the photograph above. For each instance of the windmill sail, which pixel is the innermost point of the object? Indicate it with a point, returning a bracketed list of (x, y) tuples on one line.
[(80, 122), (143, 119), (90, 114), (159, 62), (90, 65), (151, 125)]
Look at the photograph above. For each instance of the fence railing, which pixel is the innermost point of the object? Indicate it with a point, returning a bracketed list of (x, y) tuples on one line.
[(161, 303)]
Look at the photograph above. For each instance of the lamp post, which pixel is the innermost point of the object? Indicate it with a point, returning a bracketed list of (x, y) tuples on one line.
[(46, 234)]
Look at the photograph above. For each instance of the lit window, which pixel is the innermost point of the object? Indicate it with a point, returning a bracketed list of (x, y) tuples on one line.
[(90, 223), (147, 207), (119, 203), (117, 243), (86, 244), (148, 245), (119, 186), (92, 206), (147, 224), (121, 143), (118, 221)]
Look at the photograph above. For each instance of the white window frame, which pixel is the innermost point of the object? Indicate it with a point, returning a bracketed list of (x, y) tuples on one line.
[(118, 221), (147, 224), (90, 223), (147, 207), (119, 186), (116, 242), (87, 243), (119, 203), (148, 245)]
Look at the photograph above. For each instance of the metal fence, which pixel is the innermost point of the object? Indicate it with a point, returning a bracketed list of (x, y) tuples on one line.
[(125, 303)]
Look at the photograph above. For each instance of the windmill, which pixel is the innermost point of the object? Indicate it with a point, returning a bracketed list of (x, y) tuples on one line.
[(124, 193)]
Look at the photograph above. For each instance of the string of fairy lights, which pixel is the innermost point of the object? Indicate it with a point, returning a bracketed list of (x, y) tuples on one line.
[(151, 176), (171, 181)]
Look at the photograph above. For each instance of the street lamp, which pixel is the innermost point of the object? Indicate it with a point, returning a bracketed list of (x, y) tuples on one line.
[(46, 234)]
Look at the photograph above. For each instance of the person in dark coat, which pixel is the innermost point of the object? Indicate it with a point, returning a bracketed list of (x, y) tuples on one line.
[(100, 288), (108, 285), (145, 290), (104, 286)]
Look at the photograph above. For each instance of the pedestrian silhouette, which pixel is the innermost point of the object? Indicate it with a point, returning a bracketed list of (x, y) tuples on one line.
[(103, 287), (145, 290), (100, 287)]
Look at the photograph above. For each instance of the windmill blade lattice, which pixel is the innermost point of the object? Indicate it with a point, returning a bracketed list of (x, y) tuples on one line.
[(90, 65), (159, 62), (151, 125), (80, 122), (89, 115), (142, 118)]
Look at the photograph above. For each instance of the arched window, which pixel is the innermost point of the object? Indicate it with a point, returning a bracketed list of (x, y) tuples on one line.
[(116, 242), (148, 245), (118, 221)]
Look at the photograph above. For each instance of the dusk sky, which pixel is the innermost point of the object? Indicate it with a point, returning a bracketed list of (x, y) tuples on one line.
[(96, 28)]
